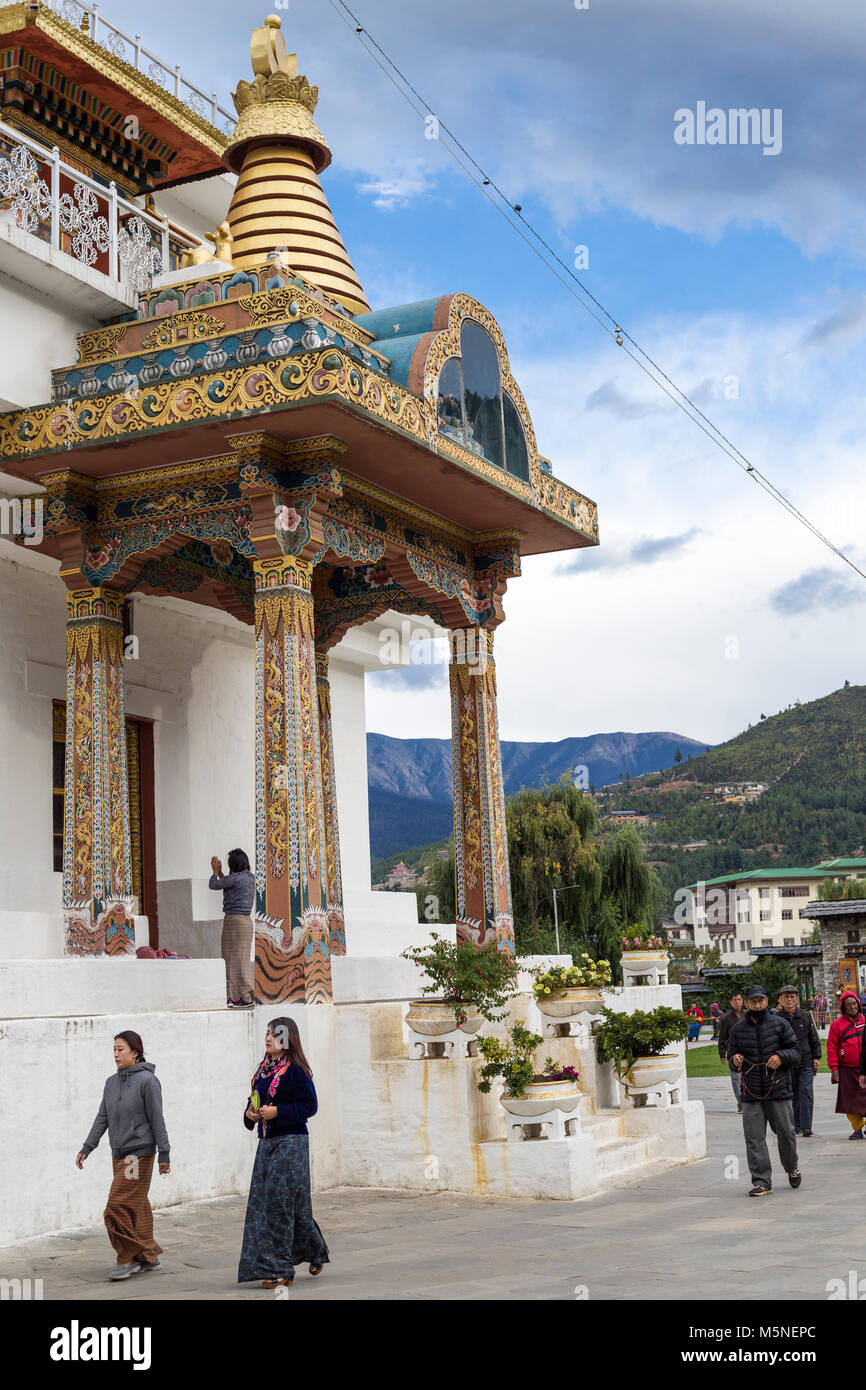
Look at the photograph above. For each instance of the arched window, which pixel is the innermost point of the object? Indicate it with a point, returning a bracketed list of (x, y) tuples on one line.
[(450, 403), (472, 408), (481, 393), (516, 453)]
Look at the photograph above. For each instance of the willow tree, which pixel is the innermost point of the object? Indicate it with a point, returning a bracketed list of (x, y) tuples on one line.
[(552, 845), (628, 881)]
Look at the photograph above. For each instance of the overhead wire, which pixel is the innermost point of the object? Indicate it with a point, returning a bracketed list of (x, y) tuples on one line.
[(505, 207)]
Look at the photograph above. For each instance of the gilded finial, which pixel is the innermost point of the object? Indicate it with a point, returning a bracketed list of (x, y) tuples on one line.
[(278, 102), (268, 49)]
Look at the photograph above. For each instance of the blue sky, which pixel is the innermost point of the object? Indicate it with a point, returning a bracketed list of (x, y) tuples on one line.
[(705, 604)]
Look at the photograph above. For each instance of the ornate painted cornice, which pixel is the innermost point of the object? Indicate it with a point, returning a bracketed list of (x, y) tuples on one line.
[(139, 87), (241, 392)]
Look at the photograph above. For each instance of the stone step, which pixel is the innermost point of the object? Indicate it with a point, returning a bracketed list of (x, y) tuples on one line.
[(618, 1155), (604, 1127)]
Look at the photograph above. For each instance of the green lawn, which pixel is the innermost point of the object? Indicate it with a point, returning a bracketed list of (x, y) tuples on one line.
[(705, 1061)]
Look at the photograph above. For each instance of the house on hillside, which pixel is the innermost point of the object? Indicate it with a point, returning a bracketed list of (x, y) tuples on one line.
[(740, 791)]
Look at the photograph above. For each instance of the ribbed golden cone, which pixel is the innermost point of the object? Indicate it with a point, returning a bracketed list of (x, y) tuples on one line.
[(279, 202), (278, 152)]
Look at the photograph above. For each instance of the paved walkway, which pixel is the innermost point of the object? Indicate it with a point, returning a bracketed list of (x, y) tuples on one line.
[(687, 1232)]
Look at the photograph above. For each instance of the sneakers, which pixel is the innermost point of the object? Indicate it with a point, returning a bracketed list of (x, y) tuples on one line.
[(124, 1271), (856, 1134), (795, 1178), (241, 1004), (149, 1264), (760, 1190)]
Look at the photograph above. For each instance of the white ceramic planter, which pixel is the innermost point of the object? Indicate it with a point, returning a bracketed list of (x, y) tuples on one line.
[(644, 967), (434, 1033), (545, 1104), (577, 999), (540, 1096), (658, 1078), (434, 1017), (648, 1071)]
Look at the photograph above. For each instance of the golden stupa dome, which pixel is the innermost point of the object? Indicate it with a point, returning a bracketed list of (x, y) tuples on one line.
[(278, 152)]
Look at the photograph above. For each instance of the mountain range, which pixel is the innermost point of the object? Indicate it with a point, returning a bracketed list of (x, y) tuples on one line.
[(410, 779)]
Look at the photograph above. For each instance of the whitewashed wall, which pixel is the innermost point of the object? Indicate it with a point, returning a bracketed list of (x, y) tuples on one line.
[(40, 334)]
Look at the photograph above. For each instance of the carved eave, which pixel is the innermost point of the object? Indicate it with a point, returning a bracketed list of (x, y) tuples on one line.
[(198, 145), (305, 394)]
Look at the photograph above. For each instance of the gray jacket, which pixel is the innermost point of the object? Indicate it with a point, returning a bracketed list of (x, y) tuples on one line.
[(131, 1111)]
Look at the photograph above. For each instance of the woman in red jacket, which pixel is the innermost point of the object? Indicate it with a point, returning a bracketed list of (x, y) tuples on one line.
[(844, 1044)]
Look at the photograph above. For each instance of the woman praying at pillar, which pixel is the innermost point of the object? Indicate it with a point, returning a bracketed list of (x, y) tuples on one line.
[(238, 890), (279, 1230), (131, 1111)]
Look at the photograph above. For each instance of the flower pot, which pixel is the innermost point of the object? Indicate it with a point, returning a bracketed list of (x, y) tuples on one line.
[(647, 1072), (540, 1097), (637, 965), (576, 999), (434, 1017)]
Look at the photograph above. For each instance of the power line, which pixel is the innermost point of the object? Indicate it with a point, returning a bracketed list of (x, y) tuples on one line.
[(547, 254)]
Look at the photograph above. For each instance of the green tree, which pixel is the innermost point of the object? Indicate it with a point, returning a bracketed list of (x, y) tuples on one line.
[(627, 880), (551, 844), (436, 896), (678, 756)]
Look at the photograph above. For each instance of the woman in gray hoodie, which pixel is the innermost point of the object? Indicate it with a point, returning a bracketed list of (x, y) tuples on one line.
[(131, 1111)]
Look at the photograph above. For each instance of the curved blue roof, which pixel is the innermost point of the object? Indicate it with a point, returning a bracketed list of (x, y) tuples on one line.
[(398, 332)]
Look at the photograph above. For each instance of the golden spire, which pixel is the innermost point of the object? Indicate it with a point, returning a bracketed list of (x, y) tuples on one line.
[(278, 152)]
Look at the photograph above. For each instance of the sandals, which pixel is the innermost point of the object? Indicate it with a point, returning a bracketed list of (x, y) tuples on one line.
[(316, 1269), (277, 1283)]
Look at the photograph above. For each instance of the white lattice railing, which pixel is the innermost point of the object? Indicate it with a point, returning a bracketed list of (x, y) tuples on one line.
[(74, 213), (132, 50)]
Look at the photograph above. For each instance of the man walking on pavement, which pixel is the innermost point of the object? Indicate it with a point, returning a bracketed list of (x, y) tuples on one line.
[(802, 1073), (727, 1023), (764, 1047)]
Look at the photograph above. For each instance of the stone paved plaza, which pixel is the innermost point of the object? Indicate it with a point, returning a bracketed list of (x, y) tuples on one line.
[(674, 1233)]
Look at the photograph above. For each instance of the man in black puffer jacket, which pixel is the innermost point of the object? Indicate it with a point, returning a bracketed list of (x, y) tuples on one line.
[(763, 1047)]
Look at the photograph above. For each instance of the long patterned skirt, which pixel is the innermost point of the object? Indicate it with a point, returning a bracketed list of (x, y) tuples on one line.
[(235, 943), (279, 1231), (128, 1214)]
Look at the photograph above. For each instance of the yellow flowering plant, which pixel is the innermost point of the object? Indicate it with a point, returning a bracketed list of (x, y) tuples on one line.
[(585, 973)]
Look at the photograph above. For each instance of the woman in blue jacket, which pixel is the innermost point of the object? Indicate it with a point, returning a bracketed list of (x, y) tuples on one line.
[(279, 1231)]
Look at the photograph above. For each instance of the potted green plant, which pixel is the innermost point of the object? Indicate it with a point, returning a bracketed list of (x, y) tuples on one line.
[(636, 1045), (644, 957), (563, 992), (530, 1097), (469, 983)]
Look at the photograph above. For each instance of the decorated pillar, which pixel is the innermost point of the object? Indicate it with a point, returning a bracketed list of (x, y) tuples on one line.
[(483, 885), (292, 930), (97, 862), (333, 876)]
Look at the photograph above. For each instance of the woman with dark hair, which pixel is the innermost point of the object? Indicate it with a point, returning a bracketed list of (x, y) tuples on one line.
[(279, 1231), (238, 890), (131, 1111)]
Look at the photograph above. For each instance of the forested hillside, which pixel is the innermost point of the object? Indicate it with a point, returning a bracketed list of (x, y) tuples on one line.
[(812, 758)]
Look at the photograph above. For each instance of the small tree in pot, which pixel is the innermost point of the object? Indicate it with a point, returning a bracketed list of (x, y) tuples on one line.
[(470, 978), (624, 1038)]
